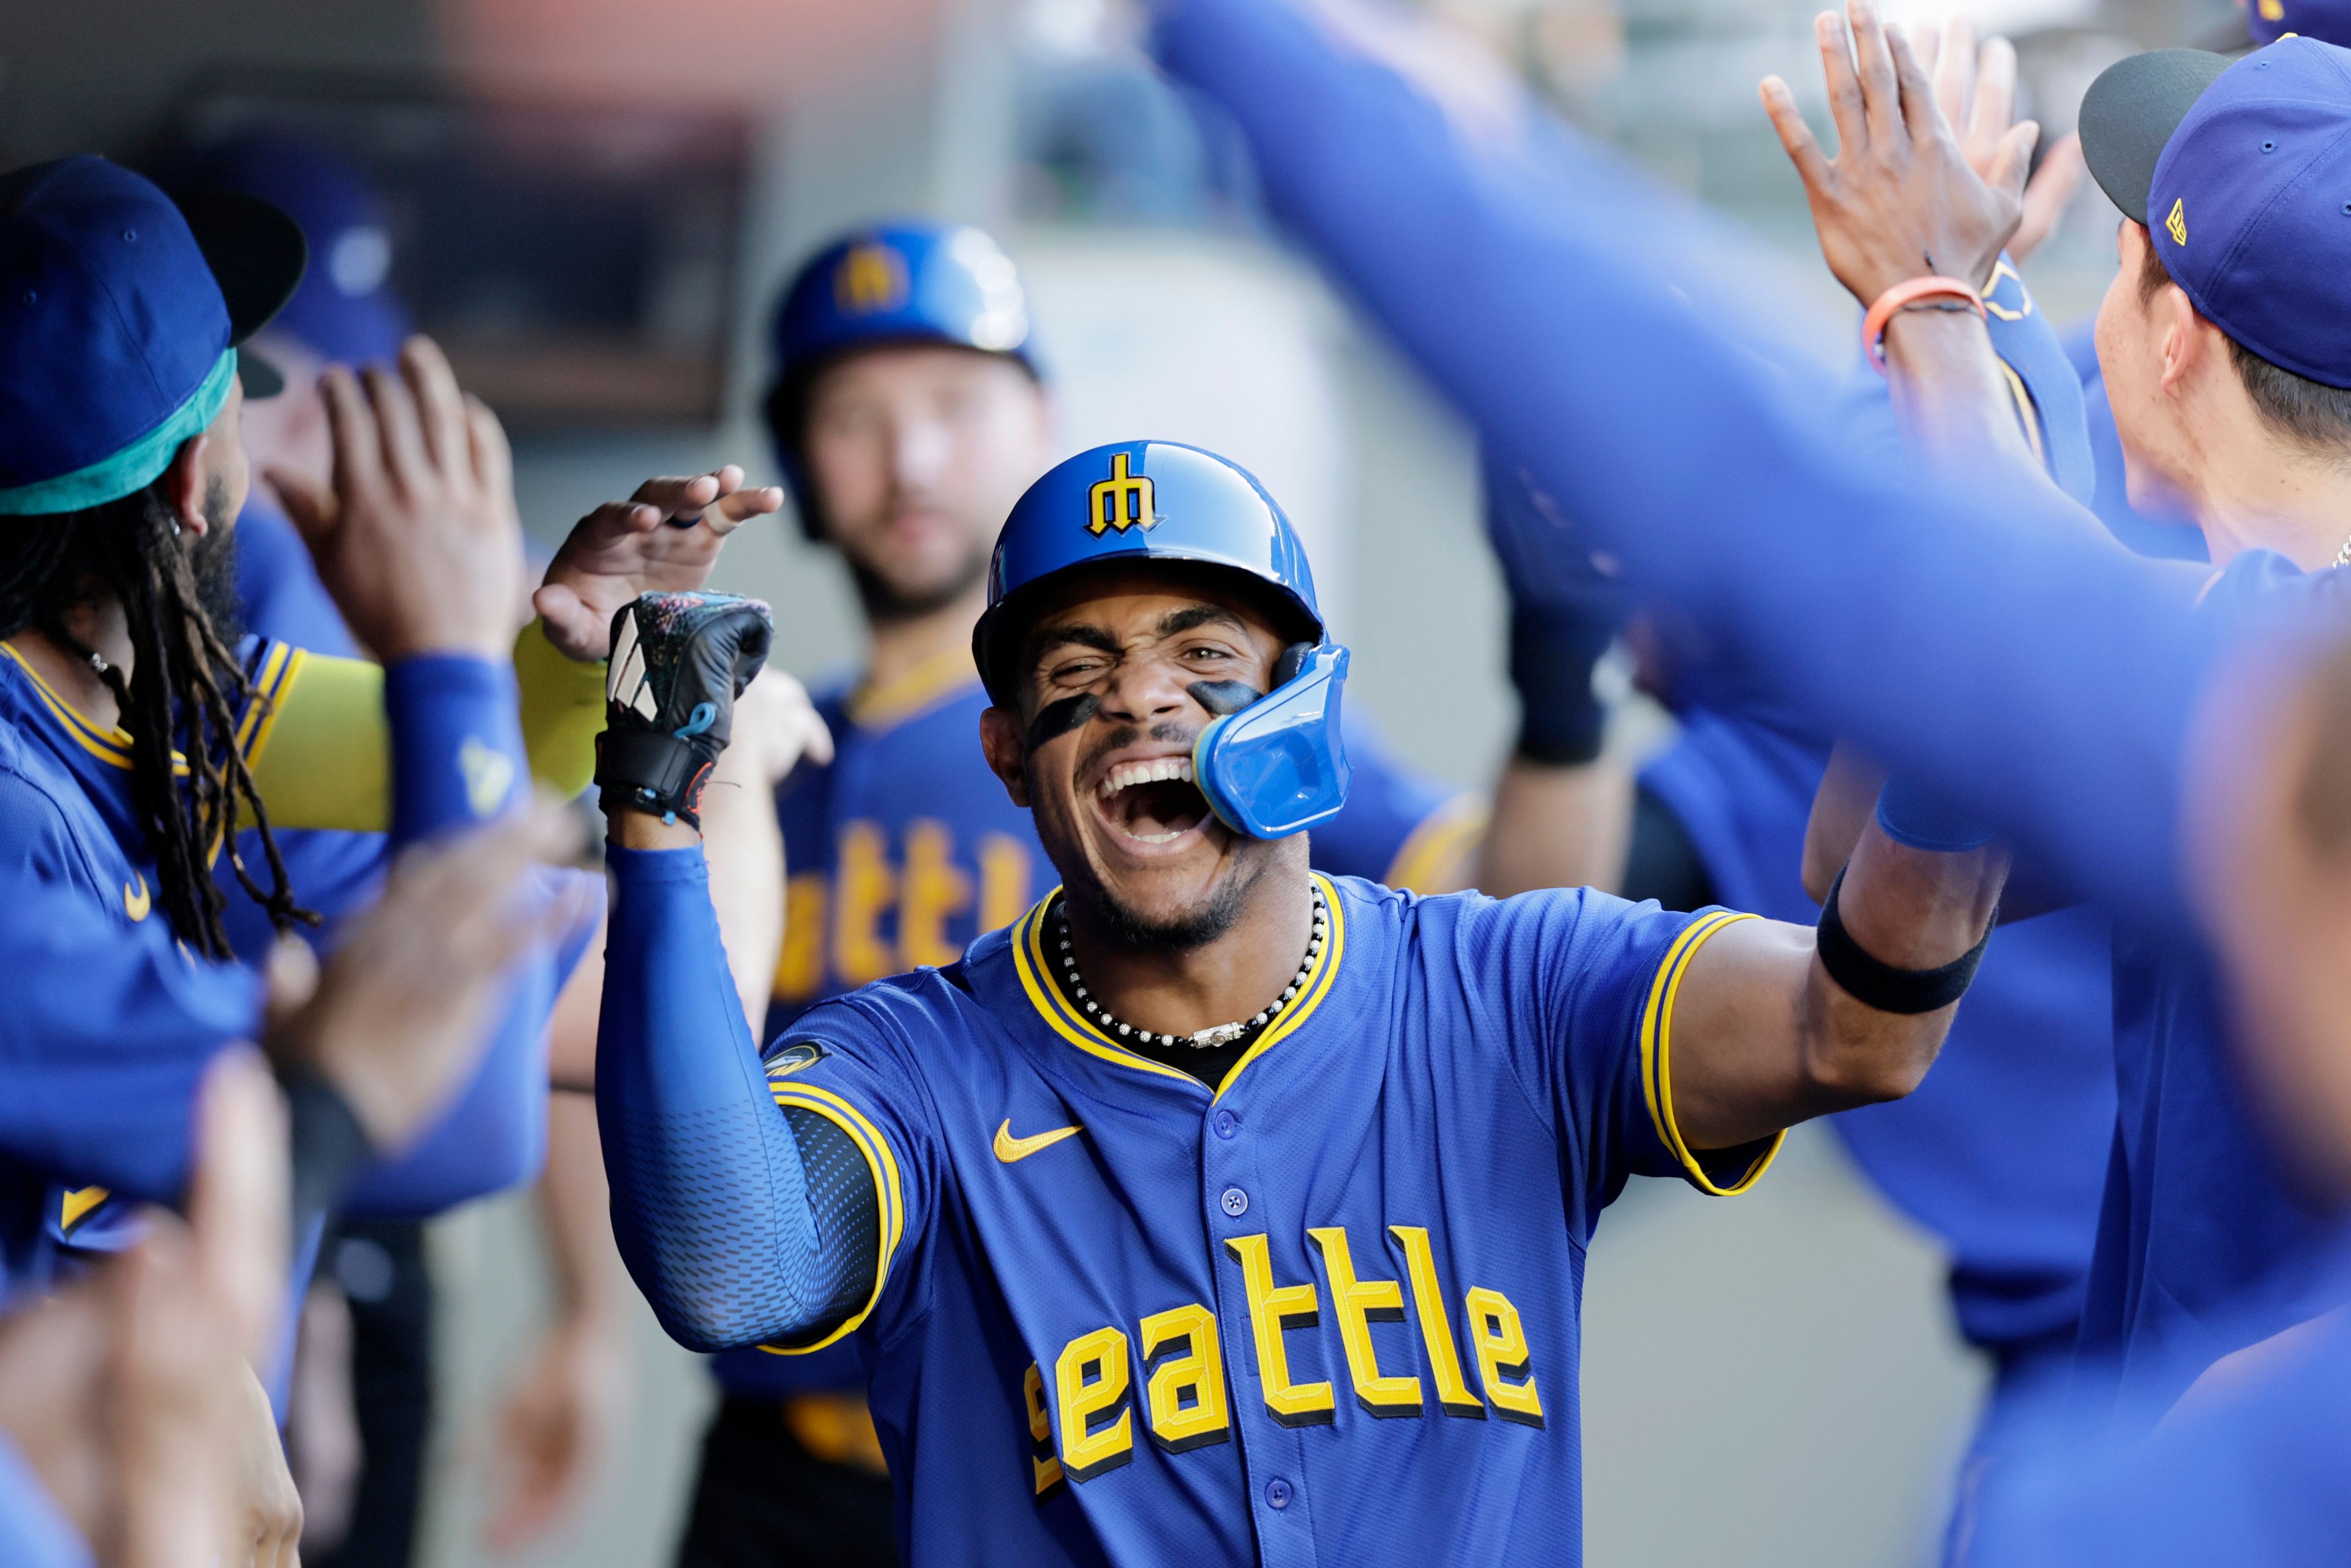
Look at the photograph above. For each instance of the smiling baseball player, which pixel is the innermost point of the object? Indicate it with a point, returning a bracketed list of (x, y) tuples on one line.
[(1217, 1210)]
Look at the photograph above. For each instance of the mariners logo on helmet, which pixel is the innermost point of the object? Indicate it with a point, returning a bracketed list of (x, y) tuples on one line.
[(871, 277), (1122, 501)]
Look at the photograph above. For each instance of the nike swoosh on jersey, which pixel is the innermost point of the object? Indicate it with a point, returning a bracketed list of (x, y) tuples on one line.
[(1011, 1149)]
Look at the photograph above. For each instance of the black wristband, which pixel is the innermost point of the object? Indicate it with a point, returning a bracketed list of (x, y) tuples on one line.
[(1561, 720), (659, 774), (328, 1144), (1875, 984)]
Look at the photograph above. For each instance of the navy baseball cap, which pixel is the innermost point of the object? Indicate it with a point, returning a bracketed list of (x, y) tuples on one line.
[(2240, 171), (344, 308), (121, 313)]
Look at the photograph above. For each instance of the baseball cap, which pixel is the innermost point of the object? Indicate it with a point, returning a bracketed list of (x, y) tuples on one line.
[(2240, 171), (344, 308), (121, 313)]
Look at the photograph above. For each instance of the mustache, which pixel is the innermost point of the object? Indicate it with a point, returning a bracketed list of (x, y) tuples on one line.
[(1165, 732)]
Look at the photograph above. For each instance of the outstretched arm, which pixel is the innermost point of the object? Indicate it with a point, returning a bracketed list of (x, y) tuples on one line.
[(712, 1205), (1956, 633), (1769, 1032)]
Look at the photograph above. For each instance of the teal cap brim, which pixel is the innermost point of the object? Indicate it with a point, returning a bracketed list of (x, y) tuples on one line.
[(133, 467)]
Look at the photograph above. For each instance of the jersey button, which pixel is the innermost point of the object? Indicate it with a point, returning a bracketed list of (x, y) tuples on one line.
[(1234, 1201), (1226, 1123), (1277, 1493)]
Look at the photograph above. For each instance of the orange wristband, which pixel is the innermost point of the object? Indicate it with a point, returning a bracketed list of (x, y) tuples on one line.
[(1900, 297)]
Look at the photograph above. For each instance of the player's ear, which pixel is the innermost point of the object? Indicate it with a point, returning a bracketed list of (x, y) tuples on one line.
[(184, 483), (1000, 737)]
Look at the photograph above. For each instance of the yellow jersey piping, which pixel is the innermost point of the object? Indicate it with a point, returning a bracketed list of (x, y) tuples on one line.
[(1045, 995), (1318, 986), (883, 1166), (940, 676), (110, 747), (275, 683), (1656, 1056), (1436, 841)]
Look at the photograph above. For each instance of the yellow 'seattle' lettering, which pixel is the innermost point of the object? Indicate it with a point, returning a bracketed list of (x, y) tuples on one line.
[(1357, 1304), (932, 890), (863, 889), (1453, 1396), (1186, 1391), (1502, 1359), (1271, 1310), (1044, 1465), (1091, 1379)]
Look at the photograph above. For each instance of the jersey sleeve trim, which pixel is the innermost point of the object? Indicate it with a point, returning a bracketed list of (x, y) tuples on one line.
[(883, 1164), (1656, 1063), (1437, 844), (279, 670)]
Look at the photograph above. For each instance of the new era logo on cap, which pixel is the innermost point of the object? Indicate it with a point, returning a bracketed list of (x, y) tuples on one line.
[(2263, 149)]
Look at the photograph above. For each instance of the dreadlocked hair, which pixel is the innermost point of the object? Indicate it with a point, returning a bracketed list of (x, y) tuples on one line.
[(184, 693)]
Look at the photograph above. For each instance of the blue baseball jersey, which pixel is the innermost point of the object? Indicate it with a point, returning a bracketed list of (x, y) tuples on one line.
[(1328, 1313), (69, 827), (907, 848), (2255, 1475), (2205, 1242), (2001, 1152)]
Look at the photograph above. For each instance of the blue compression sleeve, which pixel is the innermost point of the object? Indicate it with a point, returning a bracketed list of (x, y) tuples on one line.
[(710, 1205), (1985, 640), (457, 743)]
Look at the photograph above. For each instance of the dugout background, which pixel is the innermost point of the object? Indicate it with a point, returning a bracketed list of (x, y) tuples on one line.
[(1773, 1379)]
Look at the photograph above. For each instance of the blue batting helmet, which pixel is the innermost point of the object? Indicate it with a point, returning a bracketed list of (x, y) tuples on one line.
[(892, 283), (1268, 769)]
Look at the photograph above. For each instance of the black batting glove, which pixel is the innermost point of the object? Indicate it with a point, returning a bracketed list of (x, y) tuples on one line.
[(679, 661)]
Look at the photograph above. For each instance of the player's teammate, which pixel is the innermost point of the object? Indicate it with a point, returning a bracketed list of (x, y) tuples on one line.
[(1218, 1209), (2227, 352), (910, 408)]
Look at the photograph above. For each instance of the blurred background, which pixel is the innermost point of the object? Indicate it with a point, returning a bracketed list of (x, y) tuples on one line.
[(591, 202)]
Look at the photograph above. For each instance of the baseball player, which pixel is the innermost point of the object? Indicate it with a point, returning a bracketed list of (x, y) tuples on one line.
[(2229, 393), (120, 675), (1219, 1208), (910, 406)]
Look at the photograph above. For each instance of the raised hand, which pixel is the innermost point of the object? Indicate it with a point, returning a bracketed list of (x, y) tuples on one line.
[(1976, 88), (416, 536), (1900, 200), (663, 539)]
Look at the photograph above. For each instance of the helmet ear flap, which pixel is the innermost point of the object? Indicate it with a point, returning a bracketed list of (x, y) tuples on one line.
[(1292, 660)]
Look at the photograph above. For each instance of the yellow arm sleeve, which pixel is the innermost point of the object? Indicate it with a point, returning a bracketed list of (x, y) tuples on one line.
[(562, 712), (322, 757)]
